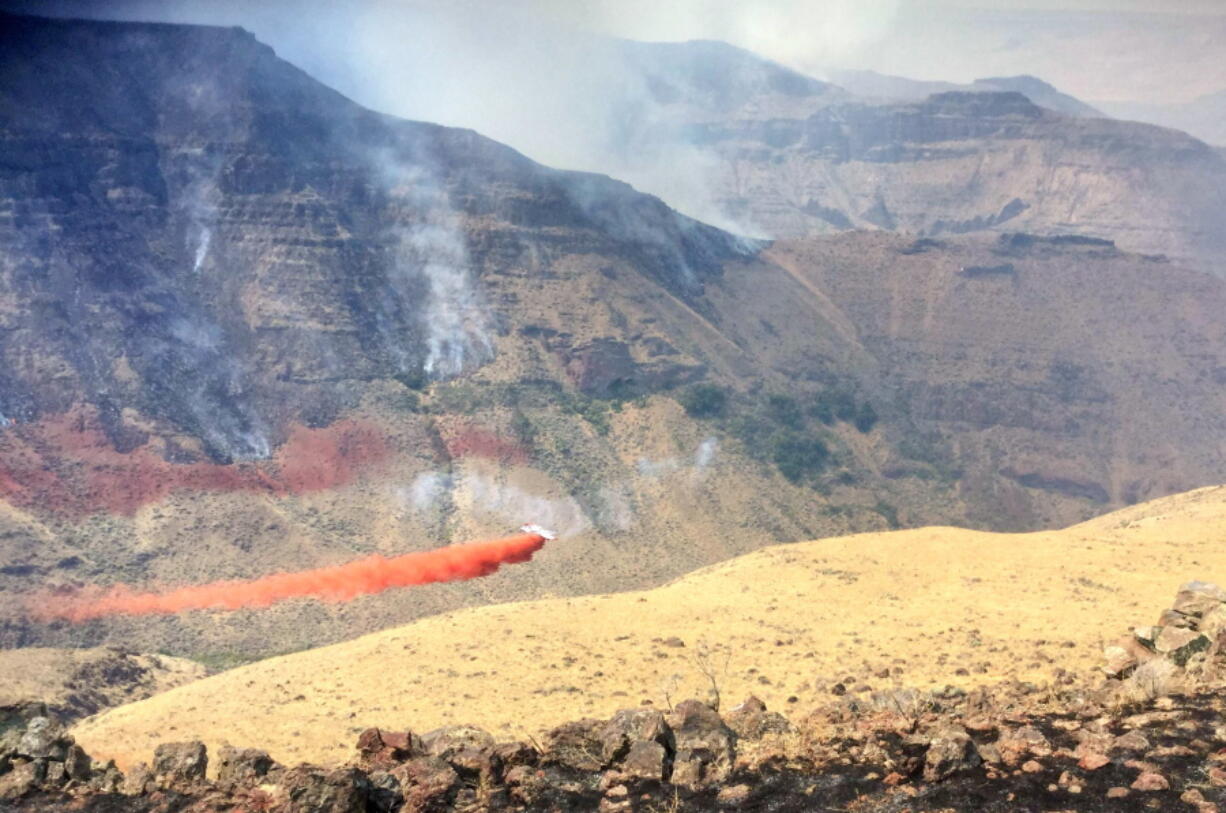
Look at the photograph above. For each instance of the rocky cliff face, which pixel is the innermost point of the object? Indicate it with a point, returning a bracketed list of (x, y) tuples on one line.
[(197, 232), (247, 325), (974, 161)]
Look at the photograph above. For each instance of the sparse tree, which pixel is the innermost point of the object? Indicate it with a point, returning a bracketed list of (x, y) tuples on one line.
[(713, 662)]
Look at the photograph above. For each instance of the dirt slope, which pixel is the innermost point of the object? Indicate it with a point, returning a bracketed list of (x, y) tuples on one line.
[(786, 621)]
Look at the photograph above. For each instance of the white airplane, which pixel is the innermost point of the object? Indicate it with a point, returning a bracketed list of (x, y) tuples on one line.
[(531, 528)]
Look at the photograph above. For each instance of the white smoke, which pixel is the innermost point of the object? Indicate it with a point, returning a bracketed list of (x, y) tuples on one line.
[(457, 330), (704, 456), (425, 492), (506, 503), (430, 248), (202, 247), (616, 512)]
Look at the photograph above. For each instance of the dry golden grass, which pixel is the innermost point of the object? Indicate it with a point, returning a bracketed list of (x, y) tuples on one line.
[(785, 621)]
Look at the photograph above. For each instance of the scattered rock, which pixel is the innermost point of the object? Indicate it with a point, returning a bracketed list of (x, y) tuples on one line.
[(1131, 742), (1093, 761), (1151, 782), (1014, 745)]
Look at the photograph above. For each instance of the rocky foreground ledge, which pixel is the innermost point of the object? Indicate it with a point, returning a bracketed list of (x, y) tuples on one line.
[(1150, 736)]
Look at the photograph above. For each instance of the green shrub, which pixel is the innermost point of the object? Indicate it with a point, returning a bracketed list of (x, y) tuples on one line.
[(785, 411), (866, 417), (888, 512), (798, 456), (704, 401)]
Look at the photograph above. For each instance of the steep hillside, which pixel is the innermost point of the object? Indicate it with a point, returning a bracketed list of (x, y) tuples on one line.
[(1034, 366), (249, 326), (918, 608)]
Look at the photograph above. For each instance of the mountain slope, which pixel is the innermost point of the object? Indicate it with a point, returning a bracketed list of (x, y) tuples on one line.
[(962, 162), (248, 326), (786, 621), (870, 85), (1203, 117)]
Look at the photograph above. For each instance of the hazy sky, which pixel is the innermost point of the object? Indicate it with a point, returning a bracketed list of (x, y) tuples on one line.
[(1099, 50)]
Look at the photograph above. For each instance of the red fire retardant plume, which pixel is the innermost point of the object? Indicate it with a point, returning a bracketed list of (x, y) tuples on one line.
[(374, 574)]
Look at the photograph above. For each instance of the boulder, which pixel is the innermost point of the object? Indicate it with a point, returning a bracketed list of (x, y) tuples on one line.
[(22, 779), (1130, 742), (377, 747), (449, 740), (1149, 781), (579, 745), (54, 775), (645, 760), (138, 781), (629, 726), (77, 763), (512, 754), (951, 750), (1015, 745), (309, 789), (426, 782), (751, 721), (243, 765), (43, 739), (481, 764), (1155, 678), (1179, 644), (385, 795), (705, 746), (1195, 599), (180, 763), (1213, 623)]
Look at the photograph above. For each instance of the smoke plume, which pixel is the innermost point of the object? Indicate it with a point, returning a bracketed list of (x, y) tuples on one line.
[(373, 574)]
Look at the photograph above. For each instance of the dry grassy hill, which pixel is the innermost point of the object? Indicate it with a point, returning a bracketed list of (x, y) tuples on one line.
[(784, 622)]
